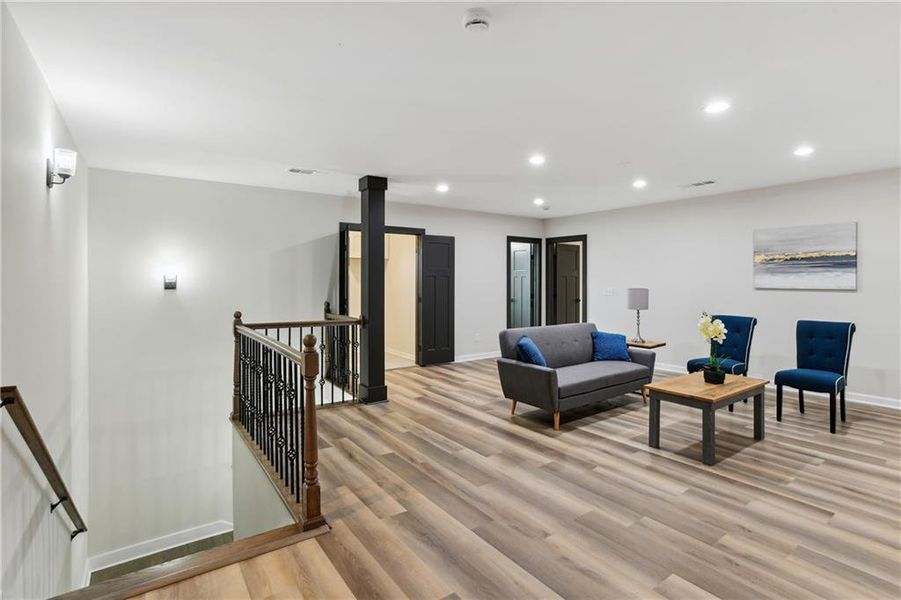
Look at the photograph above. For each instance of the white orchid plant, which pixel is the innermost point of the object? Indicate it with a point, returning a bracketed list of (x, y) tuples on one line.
[(713, 330)]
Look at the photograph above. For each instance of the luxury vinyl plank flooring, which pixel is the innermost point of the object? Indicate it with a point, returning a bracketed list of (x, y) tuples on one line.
[(440, 493)]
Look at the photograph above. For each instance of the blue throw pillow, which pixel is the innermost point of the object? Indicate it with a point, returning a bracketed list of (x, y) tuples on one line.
[(609, 346), (528, 352)]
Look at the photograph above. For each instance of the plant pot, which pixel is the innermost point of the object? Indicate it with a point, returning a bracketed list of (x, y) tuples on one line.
[(713, 376)]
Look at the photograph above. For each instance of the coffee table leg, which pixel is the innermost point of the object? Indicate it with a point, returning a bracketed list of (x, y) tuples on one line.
[(708, 435), (654, 422), (758, 417)]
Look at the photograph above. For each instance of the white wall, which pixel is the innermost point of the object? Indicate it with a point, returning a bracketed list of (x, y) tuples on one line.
[(44, 335), (400, 295), (257, 506), (160, 362), (696, 255)]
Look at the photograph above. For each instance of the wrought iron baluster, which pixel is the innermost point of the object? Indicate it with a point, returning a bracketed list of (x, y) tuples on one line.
[(355, 330), (343, 337), (322, 371), (298, 440), (270, 407), (292, 437), (241, 407), (339, 333), (261, 417), (280, 417)]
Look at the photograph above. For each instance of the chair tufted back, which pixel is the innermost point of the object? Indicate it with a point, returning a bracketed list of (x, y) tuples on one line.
[(738, 339), (824, 345), (561, 345)]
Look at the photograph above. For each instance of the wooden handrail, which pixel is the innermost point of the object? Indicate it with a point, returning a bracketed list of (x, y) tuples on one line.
[(308, 365), (15, 406), (331, 320)]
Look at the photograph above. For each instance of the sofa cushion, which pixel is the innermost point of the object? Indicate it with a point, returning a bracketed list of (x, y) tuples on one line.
[(528, 352), (561, 345), (609, 346), (591, 376)]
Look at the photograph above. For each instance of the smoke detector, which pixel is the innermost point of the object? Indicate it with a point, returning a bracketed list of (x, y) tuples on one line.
[(476, 19)]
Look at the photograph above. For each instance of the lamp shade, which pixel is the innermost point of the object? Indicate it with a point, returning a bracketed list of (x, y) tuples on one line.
[(637, 298)]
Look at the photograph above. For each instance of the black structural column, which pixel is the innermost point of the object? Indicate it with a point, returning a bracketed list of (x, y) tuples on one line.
[(372, 342)]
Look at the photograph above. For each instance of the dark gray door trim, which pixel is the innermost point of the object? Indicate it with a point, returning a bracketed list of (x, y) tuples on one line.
[(536, 278), (551, 280)]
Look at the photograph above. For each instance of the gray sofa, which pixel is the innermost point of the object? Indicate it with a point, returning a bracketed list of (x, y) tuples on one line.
[(571, 378)]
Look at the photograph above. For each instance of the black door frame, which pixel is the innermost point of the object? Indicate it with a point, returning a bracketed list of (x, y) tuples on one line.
[(536, 278), (551, 280), (343, 228)]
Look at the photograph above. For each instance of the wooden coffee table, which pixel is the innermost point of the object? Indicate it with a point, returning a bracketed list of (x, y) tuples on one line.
[(692, 390)]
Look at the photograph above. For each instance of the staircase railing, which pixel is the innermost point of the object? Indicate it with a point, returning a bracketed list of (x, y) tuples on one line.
[(338, 346), (11, 399), (274, 397)]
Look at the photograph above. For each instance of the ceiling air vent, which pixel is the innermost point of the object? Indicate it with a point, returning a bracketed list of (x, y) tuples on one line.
[(699, 184), (299, 171)]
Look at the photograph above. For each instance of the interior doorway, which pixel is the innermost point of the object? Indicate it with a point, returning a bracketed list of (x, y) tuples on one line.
[(567, 286), (401, 271), (523, 282), (423, 293)]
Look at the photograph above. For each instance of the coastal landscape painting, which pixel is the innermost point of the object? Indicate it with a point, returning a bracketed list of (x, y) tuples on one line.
[(809, 257)]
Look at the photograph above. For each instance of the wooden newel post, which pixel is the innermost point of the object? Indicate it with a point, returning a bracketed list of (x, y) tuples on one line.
[(311, 508), (236, 393)]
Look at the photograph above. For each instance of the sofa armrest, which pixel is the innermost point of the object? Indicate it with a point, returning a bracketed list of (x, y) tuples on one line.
[(644, 357), (530, 384)]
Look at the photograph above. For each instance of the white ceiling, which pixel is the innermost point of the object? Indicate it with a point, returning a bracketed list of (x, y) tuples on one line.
[(609, 92)]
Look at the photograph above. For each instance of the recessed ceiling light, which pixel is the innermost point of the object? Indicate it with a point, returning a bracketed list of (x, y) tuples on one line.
[(803, 151), (639, 184), (717, 106), (536, 160), (538, 201), (442, 188)]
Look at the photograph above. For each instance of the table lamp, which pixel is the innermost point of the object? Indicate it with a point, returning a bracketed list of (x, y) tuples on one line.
[(637, 300)]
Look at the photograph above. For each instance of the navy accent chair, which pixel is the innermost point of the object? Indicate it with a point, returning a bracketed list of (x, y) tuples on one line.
[(736, 350), (824, 349)]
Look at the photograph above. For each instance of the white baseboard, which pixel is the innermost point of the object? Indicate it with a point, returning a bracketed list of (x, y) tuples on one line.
[(478, 356), (403, 355), (152, 546), (850, 396)]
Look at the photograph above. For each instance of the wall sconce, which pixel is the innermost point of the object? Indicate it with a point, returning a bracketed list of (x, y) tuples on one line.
[(170, 282), (61, 166)]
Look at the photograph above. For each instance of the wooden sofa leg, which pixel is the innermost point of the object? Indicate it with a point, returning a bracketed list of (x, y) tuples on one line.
[(513, 409), (644, 395), (557, 421)]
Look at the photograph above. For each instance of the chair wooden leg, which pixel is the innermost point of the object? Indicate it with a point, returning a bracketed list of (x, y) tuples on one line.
[(843, 404), (801, 401), (557, 421), (778, 402), (644, 395), (731, 408), (831, 412), (513, 409)]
